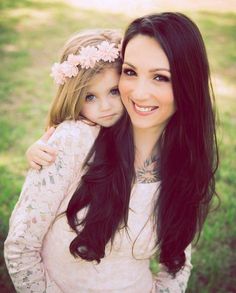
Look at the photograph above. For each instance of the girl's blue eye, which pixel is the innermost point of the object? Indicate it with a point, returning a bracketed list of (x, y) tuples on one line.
[(161, 77), (115, 92), (128, 72), (90, 98)]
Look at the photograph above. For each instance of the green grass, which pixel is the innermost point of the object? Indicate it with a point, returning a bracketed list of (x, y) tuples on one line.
[(31, 35)]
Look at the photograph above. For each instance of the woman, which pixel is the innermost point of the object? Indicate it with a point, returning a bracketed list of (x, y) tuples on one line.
[(149, 179)]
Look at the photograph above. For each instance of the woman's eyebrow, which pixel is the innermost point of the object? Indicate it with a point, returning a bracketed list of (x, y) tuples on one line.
[(129, 64), (151, 70), (159, 69)]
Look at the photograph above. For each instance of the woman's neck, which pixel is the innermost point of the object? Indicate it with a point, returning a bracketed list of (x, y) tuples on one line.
[(146, 154), (146, 141)]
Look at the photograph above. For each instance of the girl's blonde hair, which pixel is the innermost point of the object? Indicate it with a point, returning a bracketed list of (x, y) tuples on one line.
[(69, 99)]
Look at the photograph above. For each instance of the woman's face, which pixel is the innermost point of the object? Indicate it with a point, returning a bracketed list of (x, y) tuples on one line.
[(145, 84)]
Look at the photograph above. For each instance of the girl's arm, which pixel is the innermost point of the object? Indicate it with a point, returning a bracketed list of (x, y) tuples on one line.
[(41, 153), (38, 205), (165, 283)]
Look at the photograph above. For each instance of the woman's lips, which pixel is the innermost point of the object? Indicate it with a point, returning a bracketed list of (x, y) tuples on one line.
[(144, 110)]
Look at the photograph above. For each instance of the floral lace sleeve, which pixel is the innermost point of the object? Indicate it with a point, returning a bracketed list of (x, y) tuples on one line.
[(39, 201), (165, 283)]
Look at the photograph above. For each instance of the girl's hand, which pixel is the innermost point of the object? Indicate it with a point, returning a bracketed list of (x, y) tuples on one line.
[(40, 154)]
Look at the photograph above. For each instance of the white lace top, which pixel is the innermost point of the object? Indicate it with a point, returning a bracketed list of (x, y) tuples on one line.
[(37, 247)]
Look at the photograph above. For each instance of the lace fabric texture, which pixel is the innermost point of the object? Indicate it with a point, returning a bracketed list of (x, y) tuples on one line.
[(37, 247)]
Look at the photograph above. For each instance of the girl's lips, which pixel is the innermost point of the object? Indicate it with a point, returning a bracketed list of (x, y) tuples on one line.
[(108, 116), (144, 110)]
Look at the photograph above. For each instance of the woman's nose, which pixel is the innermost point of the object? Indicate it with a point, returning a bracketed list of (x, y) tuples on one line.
[(140, 90)]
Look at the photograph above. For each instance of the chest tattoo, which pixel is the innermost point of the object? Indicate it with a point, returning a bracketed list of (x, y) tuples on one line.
[(150, 171)]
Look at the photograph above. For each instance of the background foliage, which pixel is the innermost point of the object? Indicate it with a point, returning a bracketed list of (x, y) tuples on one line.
[(31, 35)]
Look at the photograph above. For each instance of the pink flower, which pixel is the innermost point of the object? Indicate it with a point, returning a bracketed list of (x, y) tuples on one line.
[(69, 69), (57, 74), (107, 51), (88, 57), (73, 59)]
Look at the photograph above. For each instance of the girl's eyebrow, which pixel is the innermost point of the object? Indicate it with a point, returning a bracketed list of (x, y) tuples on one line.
[(115, 86), (95, 94), (89, 93), (151, 70)]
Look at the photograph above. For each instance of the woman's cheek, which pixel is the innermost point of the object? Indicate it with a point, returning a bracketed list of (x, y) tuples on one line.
[(124, 87)]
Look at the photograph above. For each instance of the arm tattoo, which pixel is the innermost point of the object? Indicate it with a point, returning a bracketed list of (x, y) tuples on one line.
[(150, 171)]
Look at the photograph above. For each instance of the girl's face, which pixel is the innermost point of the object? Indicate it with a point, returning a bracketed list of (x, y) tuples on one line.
[(145, 84), (102, 104)]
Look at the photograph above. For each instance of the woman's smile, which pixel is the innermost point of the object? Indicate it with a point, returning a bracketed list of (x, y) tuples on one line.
[(144, 110)]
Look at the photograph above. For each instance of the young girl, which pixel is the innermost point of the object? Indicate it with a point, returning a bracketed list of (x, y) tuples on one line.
[(88, 96), (95, 103)]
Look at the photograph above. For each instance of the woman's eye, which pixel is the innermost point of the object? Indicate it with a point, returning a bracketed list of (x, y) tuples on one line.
[(115, 92), (161, 77), (90, 98), (128, 72)]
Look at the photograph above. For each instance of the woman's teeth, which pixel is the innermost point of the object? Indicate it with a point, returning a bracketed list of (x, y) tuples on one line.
[(144, 109)]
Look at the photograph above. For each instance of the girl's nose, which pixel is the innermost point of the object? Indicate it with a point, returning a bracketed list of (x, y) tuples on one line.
[(105, 105)]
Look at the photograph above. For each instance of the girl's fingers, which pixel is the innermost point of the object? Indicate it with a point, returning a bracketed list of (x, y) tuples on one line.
[(35, 166), (42, 161), (46, 148), (47, 134), (41, 154)]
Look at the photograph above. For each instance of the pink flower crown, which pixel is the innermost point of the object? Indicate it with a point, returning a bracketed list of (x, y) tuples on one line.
[(87, 58)]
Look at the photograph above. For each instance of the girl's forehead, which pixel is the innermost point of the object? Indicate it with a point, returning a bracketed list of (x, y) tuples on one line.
[(105, 79)]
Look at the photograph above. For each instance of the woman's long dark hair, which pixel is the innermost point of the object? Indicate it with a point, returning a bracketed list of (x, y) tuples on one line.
[(104, 190), (189, 156)]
